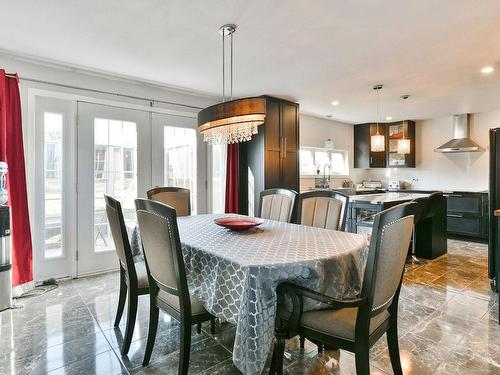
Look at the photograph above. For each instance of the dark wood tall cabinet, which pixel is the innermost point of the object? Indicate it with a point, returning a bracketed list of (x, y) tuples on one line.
[(271, 158)]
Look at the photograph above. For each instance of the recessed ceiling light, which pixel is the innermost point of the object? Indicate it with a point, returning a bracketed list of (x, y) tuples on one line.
[(388, 118), (487, 70), (335, 102)]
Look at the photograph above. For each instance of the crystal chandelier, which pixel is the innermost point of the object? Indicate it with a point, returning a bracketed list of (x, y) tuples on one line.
[(233, 121), (404, 144), (377, 141)]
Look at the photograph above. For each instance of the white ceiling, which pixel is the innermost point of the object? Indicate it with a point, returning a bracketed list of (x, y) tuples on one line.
[(310, 51)]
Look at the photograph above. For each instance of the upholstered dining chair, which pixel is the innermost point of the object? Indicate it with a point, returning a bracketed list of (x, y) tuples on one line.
[(133, 276), (323, 208), (176, 197), (167, 277), (277, 204), (355, 324)]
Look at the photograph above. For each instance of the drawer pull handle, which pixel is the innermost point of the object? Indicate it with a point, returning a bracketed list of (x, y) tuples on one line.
[(453, 215)]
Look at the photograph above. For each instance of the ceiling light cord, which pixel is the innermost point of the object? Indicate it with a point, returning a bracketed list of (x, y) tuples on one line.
[(223, 69), (231, 66), (377, 111)]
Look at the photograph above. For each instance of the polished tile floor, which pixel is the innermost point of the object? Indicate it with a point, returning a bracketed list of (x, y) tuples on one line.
[(447, 326)]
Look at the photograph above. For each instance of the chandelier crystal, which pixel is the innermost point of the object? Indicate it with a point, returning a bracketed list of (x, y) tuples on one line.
[(233, 121)]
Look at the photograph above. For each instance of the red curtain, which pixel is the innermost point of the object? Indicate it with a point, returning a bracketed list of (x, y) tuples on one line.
[(232, 205), (12, 152)]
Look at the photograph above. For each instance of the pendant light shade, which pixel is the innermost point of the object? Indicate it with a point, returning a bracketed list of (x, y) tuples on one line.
[(404, 144), (377, 141), (233, 121)]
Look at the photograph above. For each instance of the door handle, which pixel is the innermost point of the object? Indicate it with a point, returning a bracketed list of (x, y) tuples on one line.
[(284, 147)]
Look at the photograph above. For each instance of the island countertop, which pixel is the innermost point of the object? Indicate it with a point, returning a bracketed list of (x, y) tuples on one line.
[(386, 197)]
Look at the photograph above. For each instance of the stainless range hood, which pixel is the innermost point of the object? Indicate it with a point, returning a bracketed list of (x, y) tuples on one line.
[(461, 141)]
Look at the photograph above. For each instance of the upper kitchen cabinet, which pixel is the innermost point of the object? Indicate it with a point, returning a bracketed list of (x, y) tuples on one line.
[(394, 131), (271, 158), (363, 156)]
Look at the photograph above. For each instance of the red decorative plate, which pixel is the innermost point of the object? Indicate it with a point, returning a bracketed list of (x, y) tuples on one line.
[(238, 223)]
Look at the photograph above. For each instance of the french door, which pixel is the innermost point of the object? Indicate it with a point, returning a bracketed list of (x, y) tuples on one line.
[(114, 158), (83, 151)]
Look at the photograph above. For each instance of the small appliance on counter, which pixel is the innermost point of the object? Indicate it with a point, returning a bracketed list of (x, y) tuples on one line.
[(394, 185), (372, 184), (5, 260)]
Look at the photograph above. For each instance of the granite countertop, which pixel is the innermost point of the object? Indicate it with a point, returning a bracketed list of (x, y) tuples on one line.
[(386, 197)]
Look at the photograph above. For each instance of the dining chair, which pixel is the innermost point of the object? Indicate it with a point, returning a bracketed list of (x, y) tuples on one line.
[(355, 324), (277, 204), (176, 197), (323, 209), (133, 276), (167, 277)]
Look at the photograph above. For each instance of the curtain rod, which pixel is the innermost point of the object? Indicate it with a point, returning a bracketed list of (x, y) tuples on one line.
[(101, 91)]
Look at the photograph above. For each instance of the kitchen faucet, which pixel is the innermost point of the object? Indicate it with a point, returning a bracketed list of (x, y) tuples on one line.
[(326, 181)]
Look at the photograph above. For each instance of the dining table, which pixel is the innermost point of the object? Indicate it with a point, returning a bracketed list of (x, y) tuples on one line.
[(236, 274)]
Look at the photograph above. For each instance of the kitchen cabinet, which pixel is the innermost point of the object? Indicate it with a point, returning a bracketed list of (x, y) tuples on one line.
[(271, 158), (365, 158), (395, 132), (467, 214)]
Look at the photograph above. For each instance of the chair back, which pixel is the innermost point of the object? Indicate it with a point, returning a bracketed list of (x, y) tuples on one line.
[(178, 198), (432, 205), (120, 237), (277, 204), (162, 248), (392, 231), (323, 208)]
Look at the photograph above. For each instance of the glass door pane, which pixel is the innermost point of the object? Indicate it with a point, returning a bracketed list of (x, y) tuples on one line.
[(115, 174), (53, 168), (53, 203), (179, 161)]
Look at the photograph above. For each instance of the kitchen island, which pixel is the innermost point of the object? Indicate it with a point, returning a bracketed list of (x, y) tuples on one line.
[(430, 232)]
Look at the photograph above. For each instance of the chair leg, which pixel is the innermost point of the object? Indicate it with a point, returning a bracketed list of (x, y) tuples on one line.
[(198, 328), (302, 341), (153, 327), (132, 313), (392, 343), (212, 326), (362, 358), (185, 347), (320, 348), (121, 298), (277, 359)]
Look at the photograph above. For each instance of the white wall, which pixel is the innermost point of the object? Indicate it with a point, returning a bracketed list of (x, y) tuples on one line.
[(314, 131)]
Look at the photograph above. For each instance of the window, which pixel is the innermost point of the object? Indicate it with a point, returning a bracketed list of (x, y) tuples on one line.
[(180, 160), (53, 164), (315, 161)]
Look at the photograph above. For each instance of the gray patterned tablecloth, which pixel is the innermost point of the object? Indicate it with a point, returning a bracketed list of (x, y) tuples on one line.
[(236, 273)]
